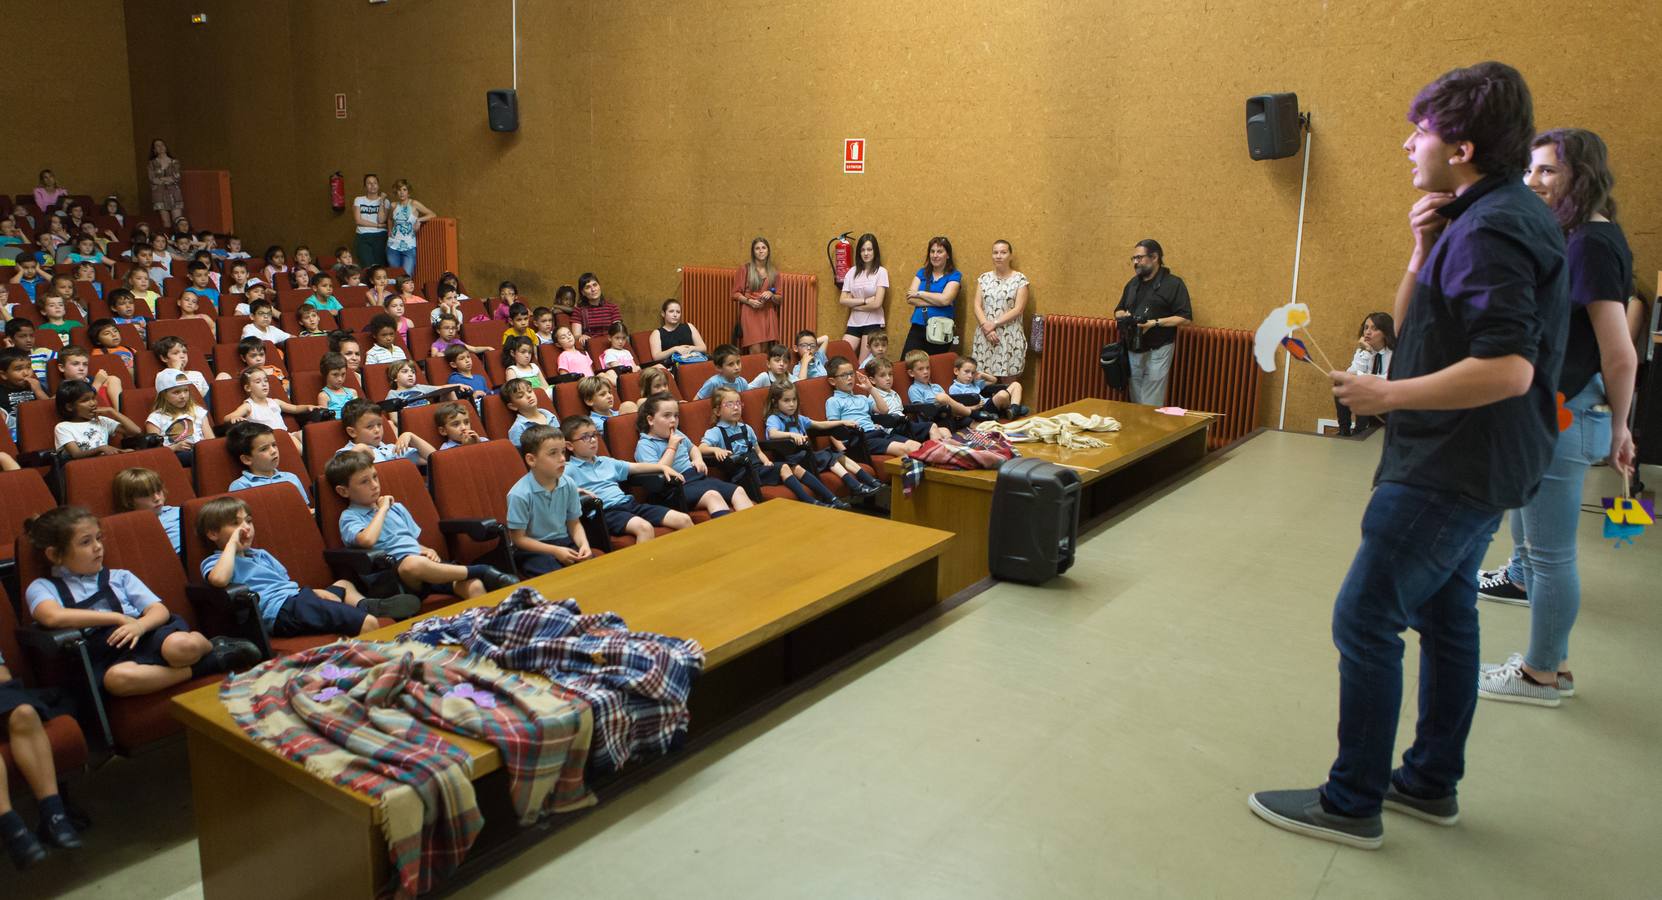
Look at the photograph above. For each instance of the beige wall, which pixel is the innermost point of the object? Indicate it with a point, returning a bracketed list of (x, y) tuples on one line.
[(655, 135), (68, 107)]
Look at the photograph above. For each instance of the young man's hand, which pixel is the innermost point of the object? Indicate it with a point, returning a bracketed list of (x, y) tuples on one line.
[(383, 503)]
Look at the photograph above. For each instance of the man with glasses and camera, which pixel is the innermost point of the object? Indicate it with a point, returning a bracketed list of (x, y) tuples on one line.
[(1156, 302)]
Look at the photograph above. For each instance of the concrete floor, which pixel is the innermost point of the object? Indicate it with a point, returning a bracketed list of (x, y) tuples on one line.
[(1094, 737)]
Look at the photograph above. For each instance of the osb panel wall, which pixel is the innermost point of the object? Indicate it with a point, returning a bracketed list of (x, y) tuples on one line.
[(655, 135), (67, 100)]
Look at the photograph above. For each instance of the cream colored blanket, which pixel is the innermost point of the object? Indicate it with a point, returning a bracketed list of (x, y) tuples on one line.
[(1065, 429)]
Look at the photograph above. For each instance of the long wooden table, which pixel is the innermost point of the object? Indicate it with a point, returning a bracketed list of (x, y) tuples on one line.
[(1148, 448), (772, 594)]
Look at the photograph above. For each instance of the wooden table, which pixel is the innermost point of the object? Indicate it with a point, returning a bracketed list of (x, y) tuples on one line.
[(772, 594), (1148, 448)]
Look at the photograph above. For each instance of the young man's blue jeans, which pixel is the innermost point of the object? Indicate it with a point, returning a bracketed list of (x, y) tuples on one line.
[(1416, 568), (1544, 532)]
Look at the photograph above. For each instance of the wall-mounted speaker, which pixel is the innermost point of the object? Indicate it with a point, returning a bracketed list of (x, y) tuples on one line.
[(502, 108), (1272, 126)]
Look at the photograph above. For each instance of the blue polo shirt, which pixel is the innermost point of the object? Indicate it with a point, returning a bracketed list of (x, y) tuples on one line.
[(600, 477), (129, 591), (541, 513), (850, 407), (599, 420), (797, 424), (400, 536), (250, 480), (921, 393), (521, 423), (387, 452), (737, 384), (650, 449), (1494, 284), (742, 440), (261, 572), (921, 315)]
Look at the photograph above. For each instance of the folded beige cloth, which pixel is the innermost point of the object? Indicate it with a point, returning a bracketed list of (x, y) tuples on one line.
[(1065, 429)]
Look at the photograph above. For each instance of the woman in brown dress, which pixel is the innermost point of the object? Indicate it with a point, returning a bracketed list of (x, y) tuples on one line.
[(756, 290)]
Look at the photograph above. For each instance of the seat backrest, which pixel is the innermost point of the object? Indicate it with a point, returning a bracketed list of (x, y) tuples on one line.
[(282, 524), (696, 417), (420, 338), (352, 296), (376, 382), (420, 421), (755, 410), (26, 495), (811, 394), (566, 400), (484, 334), (621, 438), (16, 661), (640, 343), (196, 333), (691, 376), (35, 421), (401, 479), (356, 318), (90, 482), (228, 395), (629, 386), (752, 364), (472, 483), (940, 368), (137, 542), (842, 348), (304, 353), (214, 469), (322, 440)]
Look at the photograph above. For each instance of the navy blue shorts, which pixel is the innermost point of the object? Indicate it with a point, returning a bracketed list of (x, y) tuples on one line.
[(878, 440), (696, 486), (306, 613), (617, 517), (148, 651), (534, 564)]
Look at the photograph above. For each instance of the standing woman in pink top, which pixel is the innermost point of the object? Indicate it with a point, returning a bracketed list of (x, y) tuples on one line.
[(865, 287), (166, 197), (756, 290), (49, 190)]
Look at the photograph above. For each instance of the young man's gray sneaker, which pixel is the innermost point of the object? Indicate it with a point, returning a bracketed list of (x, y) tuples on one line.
[(1440, 811), (1301, 813)]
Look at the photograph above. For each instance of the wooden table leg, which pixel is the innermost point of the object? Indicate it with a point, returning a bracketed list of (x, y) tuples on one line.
[(258, 837)]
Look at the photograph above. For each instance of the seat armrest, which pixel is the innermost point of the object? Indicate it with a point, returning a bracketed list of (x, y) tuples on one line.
[(477, 529), (94, 718), (358, 563), (239, 604), (50, 640)]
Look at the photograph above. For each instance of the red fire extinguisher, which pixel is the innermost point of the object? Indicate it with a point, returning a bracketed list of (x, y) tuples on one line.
[(840, 253), (337, 192)]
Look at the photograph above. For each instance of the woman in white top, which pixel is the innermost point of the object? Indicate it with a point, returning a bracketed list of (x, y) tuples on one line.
[(407, 215), (1000, 344), (369, 212), (1374, 342), (865, 288)]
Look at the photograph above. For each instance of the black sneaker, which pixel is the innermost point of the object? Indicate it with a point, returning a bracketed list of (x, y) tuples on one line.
[(57, 831), (496, 579), (1499, 588), (1019, 411), (1301, 813), (24, 850), (1439, 811), (230, 654), (398, 606)]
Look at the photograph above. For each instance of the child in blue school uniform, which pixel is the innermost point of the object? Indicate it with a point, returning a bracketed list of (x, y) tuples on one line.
[(519, 395), (922, 390), (728, 364), (366, 428), (600, 477), (141, 488), (286, 608), (730, 440), (136, 644), (845, 407), (969, 388), (810, 356), (663, 443), (375, 521), (23, 714), (456, 426), (254, 445), (598, 395), (785, 422), (544, 511)]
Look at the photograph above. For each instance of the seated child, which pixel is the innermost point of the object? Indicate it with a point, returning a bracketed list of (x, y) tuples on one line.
[(140, 488), (728, 365), (573, 361), (521, 399), (970, 389), (878, 345), (596, 394), (105, 337), (460, 360), (261, 311), (447, 332), (395, 308), (261, 407), (174, 356), (86, 427), (323, 294), (29, 277), (405, 384), (55, 318), (599, 476), (310, 321), (449, 304), (23, 712), (810, 353), (336, 393), (347, 345), (544, 512), (251, 351), (18, 385), (785, 422), (190, 307), (127, 312), (844, 407), (618, 357), (201, 283), (886, 401), (383, 331), (507, 294), (522, 363), (286, 608), (177, 417), (663, 443), (655, 380), (254, 444), (542, 322), (375, 521), (778, 369), (519, 324), (456, 426), (730, 440), (136, 644), (365, 426), (923, 390), (21, 333)]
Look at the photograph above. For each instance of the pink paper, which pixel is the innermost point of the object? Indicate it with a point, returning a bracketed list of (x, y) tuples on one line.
[(1173, 410)]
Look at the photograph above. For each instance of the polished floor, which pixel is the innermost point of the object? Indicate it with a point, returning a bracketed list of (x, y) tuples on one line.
[(1095, 737)]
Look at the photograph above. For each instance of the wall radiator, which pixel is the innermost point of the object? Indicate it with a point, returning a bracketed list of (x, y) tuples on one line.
[(1213, 371), (706, 298)]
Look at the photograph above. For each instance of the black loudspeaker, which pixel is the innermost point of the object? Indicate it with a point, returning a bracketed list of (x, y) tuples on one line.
[(1272, 126), (502, 107)]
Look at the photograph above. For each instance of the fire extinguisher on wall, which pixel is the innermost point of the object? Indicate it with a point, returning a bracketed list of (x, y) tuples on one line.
[(840, 253), (337, 192)]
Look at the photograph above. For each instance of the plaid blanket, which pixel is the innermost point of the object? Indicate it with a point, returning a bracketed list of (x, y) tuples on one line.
[(637, 683), (361, 716), (966, 449)]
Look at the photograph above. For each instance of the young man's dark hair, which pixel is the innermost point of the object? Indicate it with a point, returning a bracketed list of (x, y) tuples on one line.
[(355, 409), (258, 305), (16, 324), (195, 267), (381, 321), (239, 441), (1488, 104), (11, 355)]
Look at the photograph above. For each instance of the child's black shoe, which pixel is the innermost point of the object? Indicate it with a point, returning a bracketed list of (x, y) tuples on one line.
[(56, 830), (21, 846)]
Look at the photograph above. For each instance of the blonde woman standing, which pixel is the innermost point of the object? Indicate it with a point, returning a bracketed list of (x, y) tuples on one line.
[(1000, 345)]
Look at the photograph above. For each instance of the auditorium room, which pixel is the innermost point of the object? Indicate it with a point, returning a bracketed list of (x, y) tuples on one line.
[(526, 448)]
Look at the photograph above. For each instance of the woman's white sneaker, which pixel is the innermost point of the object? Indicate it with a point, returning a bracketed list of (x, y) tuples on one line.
[(1509, 683)]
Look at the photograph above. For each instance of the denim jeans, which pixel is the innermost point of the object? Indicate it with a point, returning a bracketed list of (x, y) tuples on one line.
[(1150, 369), (403, 259), (1544, 531), (1416, 568)]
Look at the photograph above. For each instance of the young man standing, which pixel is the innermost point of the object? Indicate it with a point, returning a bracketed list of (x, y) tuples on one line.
[(1483, 313)]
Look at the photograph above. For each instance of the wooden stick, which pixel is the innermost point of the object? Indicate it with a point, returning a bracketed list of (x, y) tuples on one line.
[(1319, 349)]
